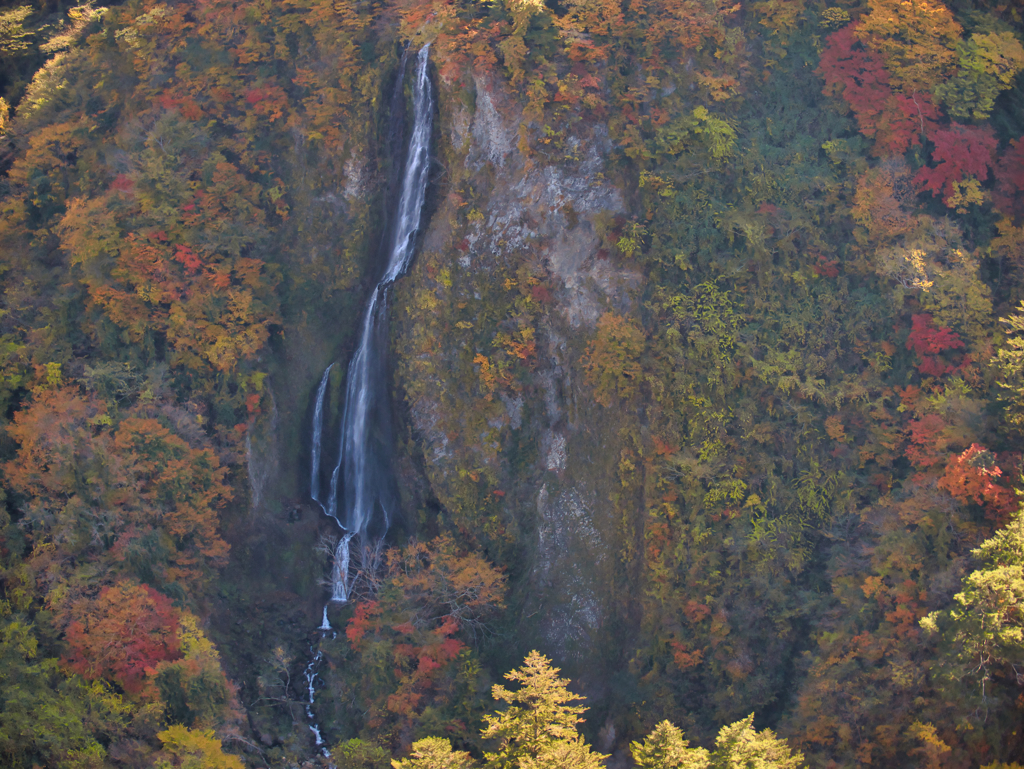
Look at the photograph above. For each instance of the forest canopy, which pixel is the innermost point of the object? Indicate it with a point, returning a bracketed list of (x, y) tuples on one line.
[(708, 384)]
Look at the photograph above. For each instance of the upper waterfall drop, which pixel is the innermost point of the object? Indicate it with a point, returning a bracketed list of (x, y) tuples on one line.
[(318, 430), (414, 182), (361, 482)]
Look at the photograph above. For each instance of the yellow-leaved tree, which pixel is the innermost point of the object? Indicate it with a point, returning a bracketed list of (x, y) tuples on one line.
[(188, 749), (612, 359), (737, 745), (987, 65), (917, 39), (538, 729)]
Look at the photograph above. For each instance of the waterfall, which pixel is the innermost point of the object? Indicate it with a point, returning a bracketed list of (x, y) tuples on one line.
[(339, 571), (414, 183), (363, 471), (361, 483), (311, 674), (318, 430)]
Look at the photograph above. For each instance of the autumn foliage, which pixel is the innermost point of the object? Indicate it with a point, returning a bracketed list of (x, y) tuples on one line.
[(929, 342), (122, 635), (435, 598), (726, 349), (134, 495), (916, 40), (961, 152), (895, 121), (612, 359)]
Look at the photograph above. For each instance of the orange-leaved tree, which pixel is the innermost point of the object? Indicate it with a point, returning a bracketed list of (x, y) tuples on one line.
[(168, 251), (612, 359), (412, 640), (131, 495), (916, 39), (122, 634)]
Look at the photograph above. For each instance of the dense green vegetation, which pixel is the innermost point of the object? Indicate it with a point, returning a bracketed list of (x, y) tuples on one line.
[(760, 332)]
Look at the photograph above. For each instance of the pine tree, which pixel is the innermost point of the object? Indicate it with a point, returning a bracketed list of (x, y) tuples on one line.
[(739, 746), (540, 717), (983, 631), (435, 753), (665, 748)]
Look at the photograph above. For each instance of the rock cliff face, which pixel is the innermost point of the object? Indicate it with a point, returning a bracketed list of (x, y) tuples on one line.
[(493, 320)]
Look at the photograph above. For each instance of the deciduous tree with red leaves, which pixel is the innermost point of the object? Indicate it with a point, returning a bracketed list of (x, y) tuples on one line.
[(929, 342), (960, 152), (974, 476), (122, 634), (435, 597), (895, 121)]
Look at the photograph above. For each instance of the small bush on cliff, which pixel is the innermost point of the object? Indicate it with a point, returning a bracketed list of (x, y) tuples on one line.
[(612, 359)]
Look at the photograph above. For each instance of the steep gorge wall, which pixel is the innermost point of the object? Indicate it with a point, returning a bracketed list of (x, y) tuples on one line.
[(493, 321)]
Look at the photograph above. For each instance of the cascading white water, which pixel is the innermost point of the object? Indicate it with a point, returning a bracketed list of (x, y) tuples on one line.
[(362, 468), (339, 570), (318, 431), (414, 183), (311, 674), (360, 497), (361, 480), (360, 397)]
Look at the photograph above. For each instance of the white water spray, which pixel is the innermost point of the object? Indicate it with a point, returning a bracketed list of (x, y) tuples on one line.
[(311, 675), (318, 430), (340, 570)]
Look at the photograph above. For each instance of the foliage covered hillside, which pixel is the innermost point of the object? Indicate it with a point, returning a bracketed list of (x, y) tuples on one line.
[(709, 375)]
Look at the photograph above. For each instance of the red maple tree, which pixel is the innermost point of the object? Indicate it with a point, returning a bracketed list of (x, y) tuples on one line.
[(960, 151), (859, 76), (121, 634), (929, 341)]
